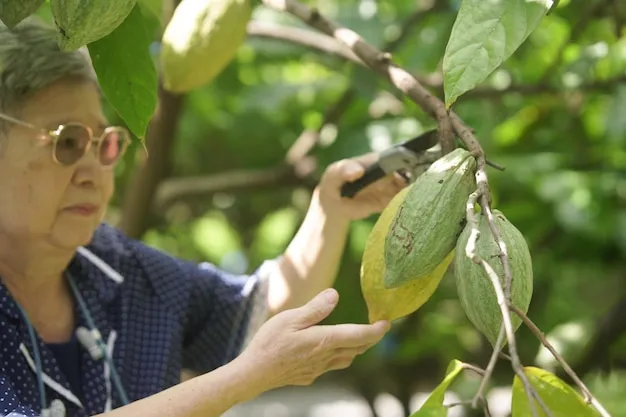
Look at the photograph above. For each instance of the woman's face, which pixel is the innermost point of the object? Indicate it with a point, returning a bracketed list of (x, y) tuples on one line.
[(40, 199)]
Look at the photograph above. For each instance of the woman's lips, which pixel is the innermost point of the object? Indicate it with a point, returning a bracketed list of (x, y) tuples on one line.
[(83, 209)]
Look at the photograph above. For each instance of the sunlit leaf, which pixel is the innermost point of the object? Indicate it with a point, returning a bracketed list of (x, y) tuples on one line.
[(485, 34), (559, 397), (126, 72), (433, 407)]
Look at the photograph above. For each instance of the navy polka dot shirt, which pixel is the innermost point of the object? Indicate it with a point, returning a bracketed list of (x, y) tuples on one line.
[(156, 315)]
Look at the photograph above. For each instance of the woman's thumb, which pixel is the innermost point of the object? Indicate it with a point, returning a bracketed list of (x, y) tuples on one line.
[(317, 309)]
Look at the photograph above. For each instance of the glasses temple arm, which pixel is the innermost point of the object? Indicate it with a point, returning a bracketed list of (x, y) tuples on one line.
[(17, 121)]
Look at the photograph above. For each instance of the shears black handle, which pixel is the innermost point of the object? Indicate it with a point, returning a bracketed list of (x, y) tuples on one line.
[(372, 174)]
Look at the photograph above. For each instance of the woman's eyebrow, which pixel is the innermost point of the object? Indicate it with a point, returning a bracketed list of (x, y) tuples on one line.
[(101, 124)]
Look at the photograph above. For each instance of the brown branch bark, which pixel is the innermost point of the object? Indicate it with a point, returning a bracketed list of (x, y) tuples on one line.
[(302, 37), (174, 189)]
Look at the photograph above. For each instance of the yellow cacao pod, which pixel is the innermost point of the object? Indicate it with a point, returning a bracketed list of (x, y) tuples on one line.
[(475, 289), (202, 37), (80, 22), (430, 218), (13, 12), (392, 304)]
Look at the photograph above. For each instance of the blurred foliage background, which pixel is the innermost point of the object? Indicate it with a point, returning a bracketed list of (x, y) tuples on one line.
[(219, 186)]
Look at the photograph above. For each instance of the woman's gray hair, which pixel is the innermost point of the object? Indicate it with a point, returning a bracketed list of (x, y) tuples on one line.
[(30, 59)]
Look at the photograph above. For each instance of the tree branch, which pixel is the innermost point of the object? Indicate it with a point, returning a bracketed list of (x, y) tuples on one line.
[(607, 85), (329, 45), (229, 181), (302, 37)]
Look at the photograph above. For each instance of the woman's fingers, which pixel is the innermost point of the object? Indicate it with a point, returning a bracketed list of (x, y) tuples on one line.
[(351, 335)]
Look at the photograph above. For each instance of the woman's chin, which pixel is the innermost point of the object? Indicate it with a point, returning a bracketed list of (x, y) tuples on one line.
[(71, 234)]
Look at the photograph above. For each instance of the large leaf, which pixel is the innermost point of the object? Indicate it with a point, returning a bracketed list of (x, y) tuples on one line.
[(126, 71), (485, 34), (13, 12), (433, 407), (155, 6), (559, 397)]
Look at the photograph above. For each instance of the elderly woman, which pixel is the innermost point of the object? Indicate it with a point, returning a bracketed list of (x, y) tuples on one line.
[(95, 323)]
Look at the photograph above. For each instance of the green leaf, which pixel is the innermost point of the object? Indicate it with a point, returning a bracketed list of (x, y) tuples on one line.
[(155, 6), (433, 407), (126, 72), (484, 34), (13, 12), (559, 397)]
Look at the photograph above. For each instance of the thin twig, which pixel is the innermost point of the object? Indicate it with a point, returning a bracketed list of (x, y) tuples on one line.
[(473, 368), (458, 403), (490, 367), (589, 398)]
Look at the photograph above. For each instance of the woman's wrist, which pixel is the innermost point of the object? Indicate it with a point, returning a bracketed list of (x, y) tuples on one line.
[(246, 378)]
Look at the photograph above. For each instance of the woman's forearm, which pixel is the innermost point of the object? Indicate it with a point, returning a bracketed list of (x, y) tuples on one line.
[(311, 261), (207, 395)]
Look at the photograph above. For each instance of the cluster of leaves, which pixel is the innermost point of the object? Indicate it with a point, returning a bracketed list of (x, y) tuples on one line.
[(540, 92)]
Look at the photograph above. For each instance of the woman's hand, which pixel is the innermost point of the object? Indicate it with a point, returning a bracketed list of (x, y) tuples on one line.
[(291, 349), (371, 199)]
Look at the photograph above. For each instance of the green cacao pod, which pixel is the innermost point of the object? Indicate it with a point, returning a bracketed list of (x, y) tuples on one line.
[(430, 218), (13, 12), (80, 22), (474, 288), (202, 37), (391, 304)]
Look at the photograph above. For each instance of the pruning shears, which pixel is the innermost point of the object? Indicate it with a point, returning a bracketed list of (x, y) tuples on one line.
[(402, 157)]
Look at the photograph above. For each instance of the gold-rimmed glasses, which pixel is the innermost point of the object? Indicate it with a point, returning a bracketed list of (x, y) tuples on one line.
[(71, 141)]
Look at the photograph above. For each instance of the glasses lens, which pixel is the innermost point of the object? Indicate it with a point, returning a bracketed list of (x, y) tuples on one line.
[(113, 145), (71, 144)]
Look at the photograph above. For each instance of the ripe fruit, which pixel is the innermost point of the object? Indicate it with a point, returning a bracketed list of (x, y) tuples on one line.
[(391, 304), (475, 290), (200, 40), (425, 227), (80, 22)]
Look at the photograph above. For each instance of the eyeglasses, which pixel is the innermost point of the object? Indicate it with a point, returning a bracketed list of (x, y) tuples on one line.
[(71, 141)]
